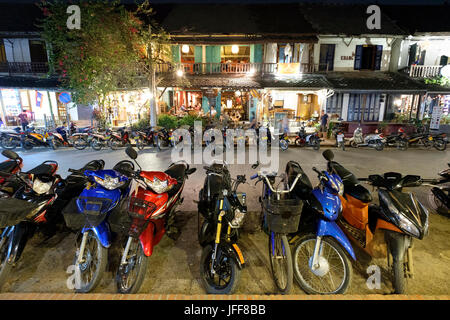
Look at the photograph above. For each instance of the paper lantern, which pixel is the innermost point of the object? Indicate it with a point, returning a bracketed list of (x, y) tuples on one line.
[(234, 49), (185, 48)]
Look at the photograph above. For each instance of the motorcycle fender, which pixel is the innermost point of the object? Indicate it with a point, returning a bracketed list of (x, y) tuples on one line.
[(146, 238), (330, 228), (397, 243), (102, 232), (206, 234), (440, 194), (20, 238), (233, 251)]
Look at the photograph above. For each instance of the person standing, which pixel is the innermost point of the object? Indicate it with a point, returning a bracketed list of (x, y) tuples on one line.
[(323, 123), (23, 120)]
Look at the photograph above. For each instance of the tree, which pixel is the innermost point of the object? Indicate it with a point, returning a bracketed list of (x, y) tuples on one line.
[(115, 48)]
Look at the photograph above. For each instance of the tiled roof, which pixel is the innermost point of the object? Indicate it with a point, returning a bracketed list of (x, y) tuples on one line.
[(373, 81)]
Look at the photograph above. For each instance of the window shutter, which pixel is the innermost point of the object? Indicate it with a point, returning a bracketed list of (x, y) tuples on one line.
[(330, 56), (358, 56), (378, 57), (176, 54), (198, 54)]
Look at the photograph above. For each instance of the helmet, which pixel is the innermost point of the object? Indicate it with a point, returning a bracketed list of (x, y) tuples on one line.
[(401, 130)]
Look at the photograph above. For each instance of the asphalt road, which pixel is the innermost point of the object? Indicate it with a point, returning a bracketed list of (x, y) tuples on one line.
[(174, 266)]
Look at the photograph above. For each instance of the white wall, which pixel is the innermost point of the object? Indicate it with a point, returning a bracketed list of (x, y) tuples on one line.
[(44, 109), (435, 48), (290, 98), (17, 50), (346, 47)]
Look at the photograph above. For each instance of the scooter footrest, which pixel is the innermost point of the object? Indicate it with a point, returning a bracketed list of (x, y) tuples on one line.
[(357, 234)]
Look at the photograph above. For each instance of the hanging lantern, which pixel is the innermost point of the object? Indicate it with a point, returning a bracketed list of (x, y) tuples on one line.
[(234, 49), (185, 48)]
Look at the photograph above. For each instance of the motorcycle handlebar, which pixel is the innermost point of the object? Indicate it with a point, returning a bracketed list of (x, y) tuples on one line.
[(254, 176)]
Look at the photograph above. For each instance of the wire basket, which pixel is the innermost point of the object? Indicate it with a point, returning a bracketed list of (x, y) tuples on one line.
[(86, 212), (140, 212), (13, 211), (282, 216)]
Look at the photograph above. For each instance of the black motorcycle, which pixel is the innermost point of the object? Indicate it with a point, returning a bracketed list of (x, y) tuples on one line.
[(11, 139), (439, 198), (397, 140), (223, 210), (307, 140)]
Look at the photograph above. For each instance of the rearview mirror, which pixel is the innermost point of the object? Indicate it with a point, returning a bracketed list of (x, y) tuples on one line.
[(190, 171), (255, 165), (131, 152), (10, 154), (328, 155)]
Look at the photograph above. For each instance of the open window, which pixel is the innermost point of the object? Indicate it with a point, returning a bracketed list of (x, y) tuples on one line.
[(326, 60), (368, 57)]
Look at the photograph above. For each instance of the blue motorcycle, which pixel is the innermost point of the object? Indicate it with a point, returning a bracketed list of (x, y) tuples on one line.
[(105, 192), (321, 264)]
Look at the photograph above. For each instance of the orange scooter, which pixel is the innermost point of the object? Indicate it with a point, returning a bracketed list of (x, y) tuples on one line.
[(385, 230)]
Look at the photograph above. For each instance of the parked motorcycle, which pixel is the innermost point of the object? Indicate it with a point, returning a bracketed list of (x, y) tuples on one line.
[(82, 138), (440, 141), (149, 137), (13, 165), (321, 249), (119, 139), (98, 140), (58, 138), (268, 138), (223, 209), (307, 140), (24, 213), (397, 140), (151, 209), (90, 212), (374, 140), (386, 229), (11, 139), (165, 138), (439, 198)]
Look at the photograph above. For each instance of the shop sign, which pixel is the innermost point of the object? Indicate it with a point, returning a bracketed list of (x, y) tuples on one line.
[(436, 117), (11, 101), (38, 99)]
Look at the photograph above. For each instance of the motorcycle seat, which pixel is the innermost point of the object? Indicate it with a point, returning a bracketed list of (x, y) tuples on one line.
[(42, 169), (357, 191), (178, 172), (7, 166)]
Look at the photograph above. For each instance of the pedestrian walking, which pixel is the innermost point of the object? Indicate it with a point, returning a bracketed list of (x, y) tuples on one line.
[(323, 123), (23, 120)]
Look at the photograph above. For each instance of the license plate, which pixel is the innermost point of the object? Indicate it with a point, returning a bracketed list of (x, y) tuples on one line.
[(171, 138), (430, 138), (264, 138)]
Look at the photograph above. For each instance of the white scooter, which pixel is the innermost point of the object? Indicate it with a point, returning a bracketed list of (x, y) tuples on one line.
[(374, 140)]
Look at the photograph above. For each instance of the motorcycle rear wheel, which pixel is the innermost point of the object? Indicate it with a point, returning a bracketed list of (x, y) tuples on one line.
[(440, 145), (80, 144), (379, 147), (402, 145), (96, 145), (5, 267), (316, 145), (139, 144), (130, 277), (8, 143), (27, 145), (227, 267), (93, 250)]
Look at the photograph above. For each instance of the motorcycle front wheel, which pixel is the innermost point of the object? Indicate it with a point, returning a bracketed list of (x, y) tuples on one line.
[(131, 275), (27, 145), (316, 145), (280, 257), (227, 273), (284, 145), (139, 144), (402, 145), (5, 244), (379, 147), (333, 272), (440, 145), (90, 271)]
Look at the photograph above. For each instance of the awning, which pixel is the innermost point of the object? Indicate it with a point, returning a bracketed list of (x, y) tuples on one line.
[(29, 83)]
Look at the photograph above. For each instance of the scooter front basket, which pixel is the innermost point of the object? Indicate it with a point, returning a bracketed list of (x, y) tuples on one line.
[(140, 211)]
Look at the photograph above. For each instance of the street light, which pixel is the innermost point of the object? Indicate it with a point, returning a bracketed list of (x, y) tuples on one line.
[(185, 48), (234, 49)]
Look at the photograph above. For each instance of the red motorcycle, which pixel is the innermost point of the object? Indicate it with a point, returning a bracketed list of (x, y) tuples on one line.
[(118, 139), (151, 208), (13, 165)]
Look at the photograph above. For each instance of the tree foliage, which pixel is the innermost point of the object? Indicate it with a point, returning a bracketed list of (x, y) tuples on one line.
[(109, 53)]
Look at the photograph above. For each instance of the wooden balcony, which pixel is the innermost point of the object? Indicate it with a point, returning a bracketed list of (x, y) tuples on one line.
[(416, 71), (238, 68), (24, 67)]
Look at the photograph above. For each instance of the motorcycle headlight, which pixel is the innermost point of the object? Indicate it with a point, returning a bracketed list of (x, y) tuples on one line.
[(158, 186), (109, 182), (341, 188), (238, 218), (402, 222), (41, 187)]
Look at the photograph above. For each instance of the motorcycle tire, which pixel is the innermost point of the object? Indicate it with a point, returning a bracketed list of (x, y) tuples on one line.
[(80, 144), (316, 145), (27, 146), (398, 271), (96, 145), (333, 244), (284, 145), (102, 256), (298, 142), (353, 144), (5, 267), (379, 147), (205, 272), (402, 145), (54, 145), (8, 143), (139, 144), (140, 263), (282, 240), (440, 145), (114, 144), (437, 205)]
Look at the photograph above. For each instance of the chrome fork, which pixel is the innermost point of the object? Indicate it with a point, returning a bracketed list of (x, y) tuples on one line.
[(125, 252), (317, 250), (82, 247)]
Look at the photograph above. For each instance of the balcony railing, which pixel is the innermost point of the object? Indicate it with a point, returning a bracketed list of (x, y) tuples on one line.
[(417, 71), (24, 67), (239, 68)]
